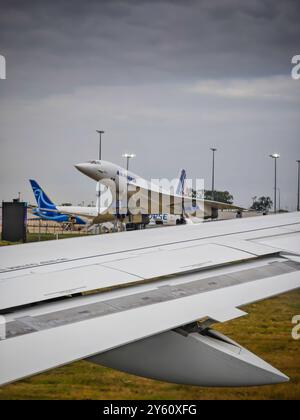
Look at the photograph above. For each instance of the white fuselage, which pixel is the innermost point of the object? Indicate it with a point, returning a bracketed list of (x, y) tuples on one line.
[(88, 212), (155, 198), (103, 171)]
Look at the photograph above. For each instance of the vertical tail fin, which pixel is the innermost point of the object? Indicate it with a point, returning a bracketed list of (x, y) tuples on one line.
[(181, 185), (43, 201)]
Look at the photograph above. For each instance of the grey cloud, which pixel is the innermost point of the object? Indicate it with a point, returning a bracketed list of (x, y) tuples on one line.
[(55, 45), (163, 78)]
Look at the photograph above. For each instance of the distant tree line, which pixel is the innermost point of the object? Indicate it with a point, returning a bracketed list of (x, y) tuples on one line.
[(262, 204), (220, 196)]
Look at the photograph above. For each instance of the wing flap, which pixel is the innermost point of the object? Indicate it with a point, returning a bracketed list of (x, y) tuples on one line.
[(226, 314), (57, 274), (38, 287), (288, 243), (35, 352), (67, 278), (174, 261)]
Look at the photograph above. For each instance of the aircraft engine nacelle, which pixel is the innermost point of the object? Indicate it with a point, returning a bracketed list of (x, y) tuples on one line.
[(214, 213), (203, 359)]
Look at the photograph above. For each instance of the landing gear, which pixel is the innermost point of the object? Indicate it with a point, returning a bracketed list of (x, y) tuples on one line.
[(138, 222), (181, 221), (70, 225), (239, 214)]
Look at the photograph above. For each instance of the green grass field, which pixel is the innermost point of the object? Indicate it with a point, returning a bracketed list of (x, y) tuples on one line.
[(266, 332), (34, 237)]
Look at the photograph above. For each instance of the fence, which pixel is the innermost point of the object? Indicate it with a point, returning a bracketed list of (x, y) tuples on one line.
[(40, 227)]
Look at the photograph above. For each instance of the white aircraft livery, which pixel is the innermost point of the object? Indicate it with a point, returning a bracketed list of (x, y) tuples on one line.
[(153, 297), (152, 198)]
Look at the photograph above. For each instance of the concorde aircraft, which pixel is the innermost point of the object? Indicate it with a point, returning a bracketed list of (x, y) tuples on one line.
[(145, 302), (86, 215), (152, 198), (112, 207)]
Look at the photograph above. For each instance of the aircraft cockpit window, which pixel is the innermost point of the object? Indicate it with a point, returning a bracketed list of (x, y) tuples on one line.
[(94, 162)]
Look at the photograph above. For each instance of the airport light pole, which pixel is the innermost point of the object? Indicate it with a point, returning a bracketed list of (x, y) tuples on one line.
[(100, 132), (298, 192), (128, 156), (279, 198), (214, 150), (98, 188), (275, 156)]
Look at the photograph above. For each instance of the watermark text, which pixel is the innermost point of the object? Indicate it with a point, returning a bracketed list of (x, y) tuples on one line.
[(2, 67), (296, 68)]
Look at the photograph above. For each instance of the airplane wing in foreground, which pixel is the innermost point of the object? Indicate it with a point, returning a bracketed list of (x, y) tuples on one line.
[(144, 302)]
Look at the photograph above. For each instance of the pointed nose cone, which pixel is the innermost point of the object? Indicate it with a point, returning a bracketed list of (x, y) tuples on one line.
[(82, 167), (89, 170)]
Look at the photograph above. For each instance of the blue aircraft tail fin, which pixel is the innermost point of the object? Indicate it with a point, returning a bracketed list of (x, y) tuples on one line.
[(181, 185), (43, 201)]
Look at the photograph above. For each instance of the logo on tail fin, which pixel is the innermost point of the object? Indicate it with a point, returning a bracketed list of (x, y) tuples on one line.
[(181, 185), (43, 201)]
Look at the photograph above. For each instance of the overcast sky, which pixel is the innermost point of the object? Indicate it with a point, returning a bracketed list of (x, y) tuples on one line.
[(165, 79)]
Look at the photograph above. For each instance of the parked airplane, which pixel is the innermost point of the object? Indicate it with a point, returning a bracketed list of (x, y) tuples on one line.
[(152, 198), (47, 210), (153, 298)]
